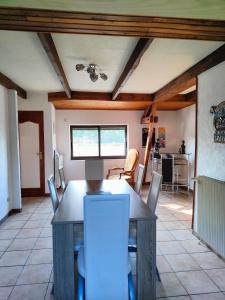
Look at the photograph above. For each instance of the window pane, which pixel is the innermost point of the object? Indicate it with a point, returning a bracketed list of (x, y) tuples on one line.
[(85, 142), (113, 141)]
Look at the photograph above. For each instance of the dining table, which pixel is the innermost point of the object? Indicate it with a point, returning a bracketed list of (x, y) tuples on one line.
[(67, 224)]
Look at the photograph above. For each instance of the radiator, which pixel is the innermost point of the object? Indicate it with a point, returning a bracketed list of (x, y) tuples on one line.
[(211, 213)]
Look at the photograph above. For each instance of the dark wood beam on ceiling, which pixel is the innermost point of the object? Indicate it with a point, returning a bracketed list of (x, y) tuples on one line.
[(9, 84), (188, 78), (132, 63), (177, 102), (50, 49), (98, 96), (40, 20)]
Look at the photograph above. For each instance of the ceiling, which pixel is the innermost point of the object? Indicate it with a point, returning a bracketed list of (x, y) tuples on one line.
[(206, 9), (23, 59)]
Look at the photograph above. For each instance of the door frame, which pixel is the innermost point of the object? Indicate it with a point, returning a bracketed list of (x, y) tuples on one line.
[(36, 117)]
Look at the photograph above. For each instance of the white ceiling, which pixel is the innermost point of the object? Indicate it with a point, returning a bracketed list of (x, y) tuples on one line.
[(164, 60), (23, 59), (109, 53), (211, 9)]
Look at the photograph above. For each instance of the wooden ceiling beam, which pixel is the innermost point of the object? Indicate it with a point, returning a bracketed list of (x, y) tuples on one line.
[(98, 96), (50, 21), (132, 63), (50, 49), (9, 84), (188, 78)]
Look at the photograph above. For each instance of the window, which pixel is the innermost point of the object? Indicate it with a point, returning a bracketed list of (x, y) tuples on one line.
[(98, 141)]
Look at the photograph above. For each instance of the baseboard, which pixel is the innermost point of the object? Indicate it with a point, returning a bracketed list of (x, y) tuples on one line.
[(11, 212)]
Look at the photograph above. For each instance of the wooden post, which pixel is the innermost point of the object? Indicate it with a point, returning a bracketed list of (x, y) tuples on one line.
[(149, 141)]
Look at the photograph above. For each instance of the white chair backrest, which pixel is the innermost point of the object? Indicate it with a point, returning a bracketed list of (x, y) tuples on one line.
[(62, 179), (53, 193), (106, 226), (154, 190), (139, 180)]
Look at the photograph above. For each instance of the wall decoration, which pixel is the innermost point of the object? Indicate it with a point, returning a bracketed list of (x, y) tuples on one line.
[(219, 122), (145, 137), (162, 137)]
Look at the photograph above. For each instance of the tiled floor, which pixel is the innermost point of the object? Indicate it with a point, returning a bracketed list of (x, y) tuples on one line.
[(187, 268)]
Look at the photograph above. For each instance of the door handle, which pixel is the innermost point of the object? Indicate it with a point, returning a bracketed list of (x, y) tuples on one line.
[(40, 154)]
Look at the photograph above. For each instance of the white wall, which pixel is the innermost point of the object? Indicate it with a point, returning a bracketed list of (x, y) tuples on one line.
[(10, 197), (74, 169), (186, 131), (37, 101), (211, 91)]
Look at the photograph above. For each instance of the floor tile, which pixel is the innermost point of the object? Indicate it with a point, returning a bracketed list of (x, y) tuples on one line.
[(197, 282), (35, 274), (43, 243), (166, 217), (4, 244), (37, 217), (34, 224), (173, 225), (208, 260), (9, 275), (181, 235), (29, 292), (14, 258), (29, 233), (5, 292), (22, 244), (19, 217), (13, 225), (218, 276), (164, 236), (169, 286), (46, 232), (42, 256), (162, 265), (193, 246), (171, 247), (49, 295), (213, 296), (8, 233), (182, 262)]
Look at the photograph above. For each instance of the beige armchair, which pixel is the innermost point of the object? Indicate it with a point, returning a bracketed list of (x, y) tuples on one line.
[(128, 171)]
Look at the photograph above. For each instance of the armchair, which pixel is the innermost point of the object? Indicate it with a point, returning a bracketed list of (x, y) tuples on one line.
[(128, 171)]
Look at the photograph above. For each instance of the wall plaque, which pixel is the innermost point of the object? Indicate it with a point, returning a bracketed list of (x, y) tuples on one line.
[(219, 122)]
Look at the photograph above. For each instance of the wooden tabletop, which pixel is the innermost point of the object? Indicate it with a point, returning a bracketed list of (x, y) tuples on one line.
[(70, 209)]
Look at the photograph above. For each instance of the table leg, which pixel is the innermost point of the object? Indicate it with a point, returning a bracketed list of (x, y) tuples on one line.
[(146, 260), (63, 262)]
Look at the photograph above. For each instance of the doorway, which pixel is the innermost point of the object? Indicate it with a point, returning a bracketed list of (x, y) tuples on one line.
[(31, 138)]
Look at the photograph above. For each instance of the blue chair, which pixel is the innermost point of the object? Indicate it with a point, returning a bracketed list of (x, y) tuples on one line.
[(152, 201), (104, 270), (62, 179), (53, 193), (139, 180)]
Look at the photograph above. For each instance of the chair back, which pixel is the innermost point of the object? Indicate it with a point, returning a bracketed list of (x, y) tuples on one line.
[(62, 179), (131, 160), (53, 193), (106, 227), (154, 190), (139, 180)]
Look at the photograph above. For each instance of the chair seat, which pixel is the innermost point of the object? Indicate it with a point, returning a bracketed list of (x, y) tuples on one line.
[(132, 237), (79, 241), (117, 176), (81, 263)]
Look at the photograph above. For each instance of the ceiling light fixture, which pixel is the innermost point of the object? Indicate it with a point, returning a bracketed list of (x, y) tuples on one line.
[(93, 71)]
